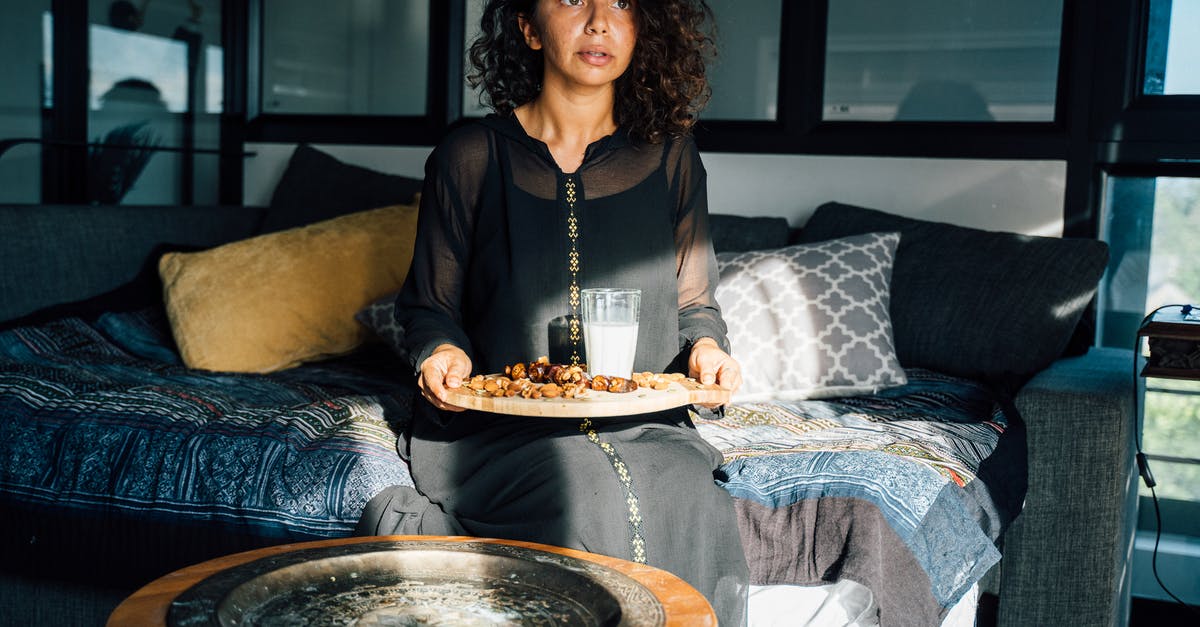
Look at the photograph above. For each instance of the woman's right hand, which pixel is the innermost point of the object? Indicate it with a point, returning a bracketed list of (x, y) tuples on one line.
[(445, 368)]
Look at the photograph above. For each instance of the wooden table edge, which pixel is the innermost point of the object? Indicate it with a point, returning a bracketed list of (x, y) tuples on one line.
[(682, 604)]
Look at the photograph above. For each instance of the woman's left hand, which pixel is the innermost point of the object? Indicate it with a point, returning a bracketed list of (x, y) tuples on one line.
[(709, 364)]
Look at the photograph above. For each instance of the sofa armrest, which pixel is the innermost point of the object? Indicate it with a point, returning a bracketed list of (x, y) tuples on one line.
[(1067, 556)]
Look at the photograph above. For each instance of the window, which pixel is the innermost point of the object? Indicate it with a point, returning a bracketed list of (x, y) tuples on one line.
[(152, 113), (358, 57), (472, 104), (1151, 219), (745, 74), (24, 38), (744, 77), (1172, 48), (353, 72), (1152, 226), (941, 60)]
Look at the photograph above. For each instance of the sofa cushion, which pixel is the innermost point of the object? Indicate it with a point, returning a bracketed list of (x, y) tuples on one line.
[(317, 186), (975, 303), (811, 320), (274, 301), (61, 260), (731, 233)]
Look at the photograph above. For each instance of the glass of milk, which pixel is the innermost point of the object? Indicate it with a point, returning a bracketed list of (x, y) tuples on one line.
[(610, 328)]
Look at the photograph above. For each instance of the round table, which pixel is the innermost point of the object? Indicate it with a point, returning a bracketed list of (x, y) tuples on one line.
[(681, 604)]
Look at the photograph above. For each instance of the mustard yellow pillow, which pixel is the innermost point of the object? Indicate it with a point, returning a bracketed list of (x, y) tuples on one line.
[(274, 301)]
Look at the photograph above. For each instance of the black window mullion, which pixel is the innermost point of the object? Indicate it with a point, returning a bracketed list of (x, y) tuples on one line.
[(1078, 66), (447, 30), (235, 43), (65, 124), (802, 85)]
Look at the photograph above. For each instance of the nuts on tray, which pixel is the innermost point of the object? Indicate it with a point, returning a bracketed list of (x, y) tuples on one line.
[(542, 379)]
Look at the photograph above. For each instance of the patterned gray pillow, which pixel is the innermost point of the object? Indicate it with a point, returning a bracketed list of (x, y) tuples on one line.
[(380, 318), (811, 320)]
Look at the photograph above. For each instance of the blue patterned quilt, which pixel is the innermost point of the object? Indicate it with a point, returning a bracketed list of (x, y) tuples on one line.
[(104, 416), (906, 491)]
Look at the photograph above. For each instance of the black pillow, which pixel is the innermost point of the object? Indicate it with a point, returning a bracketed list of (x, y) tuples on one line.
[(735, 234), (316, 186), (987, 305)]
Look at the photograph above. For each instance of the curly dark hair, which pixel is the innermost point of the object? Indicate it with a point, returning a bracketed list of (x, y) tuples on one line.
[(658, 96)]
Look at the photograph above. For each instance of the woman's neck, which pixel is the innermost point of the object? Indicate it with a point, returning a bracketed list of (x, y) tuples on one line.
[(568, 124)]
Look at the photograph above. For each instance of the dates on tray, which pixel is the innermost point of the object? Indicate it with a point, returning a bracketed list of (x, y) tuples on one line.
[(542, 379)]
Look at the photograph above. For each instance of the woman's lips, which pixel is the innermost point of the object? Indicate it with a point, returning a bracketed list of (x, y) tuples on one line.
[(595, 57)]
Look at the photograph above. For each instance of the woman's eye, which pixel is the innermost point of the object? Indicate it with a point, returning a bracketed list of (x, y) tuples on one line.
[(621, 4), (573, 3)]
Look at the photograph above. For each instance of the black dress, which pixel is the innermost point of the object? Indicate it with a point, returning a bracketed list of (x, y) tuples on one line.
[(505, 241)]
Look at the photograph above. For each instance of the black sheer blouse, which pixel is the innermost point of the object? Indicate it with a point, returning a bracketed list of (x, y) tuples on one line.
[(505, 240)]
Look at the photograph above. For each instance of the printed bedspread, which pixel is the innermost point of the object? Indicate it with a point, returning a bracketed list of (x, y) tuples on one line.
[(103, 416), (905, 491)]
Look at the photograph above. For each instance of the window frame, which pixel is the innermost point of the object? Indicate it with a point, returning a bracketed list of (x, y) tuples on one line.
[(442, 105), (1145, 136), (1130, 126), (800, 128), (1100, 121)]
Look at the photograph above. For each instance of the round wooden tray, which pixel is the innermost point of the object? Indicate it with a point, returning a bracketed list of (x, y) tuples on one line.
[(594, 404), (435, 579)]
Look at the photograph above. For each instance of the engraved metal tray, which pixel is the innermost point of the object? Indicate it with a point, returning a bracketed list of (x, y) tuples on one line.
[(417, 583)]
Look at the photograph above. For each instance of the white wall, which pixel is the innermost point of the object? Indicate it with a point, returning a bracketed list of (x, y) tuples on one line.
[(1020, 196)]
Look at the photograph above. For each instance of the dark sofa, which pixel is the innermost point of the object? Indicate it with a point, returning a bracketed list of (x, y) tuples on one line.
[(1065, 558)]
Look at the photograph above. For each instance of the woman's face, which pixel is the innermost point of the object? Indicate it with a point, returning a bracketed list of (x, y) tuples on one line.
[(585, 42)]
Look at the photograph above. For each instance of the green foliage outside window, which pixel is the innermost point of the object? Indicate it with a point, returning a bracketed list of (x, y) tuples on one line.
[(1172, 424)]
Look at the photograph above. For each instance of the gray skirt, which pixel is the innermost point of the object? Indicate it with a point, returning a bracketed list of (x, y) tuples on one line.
[(638, 488)]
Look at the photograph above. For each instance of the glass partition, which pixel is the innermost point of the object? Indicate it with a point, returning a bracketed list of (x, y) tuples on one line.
[(1152, 225), (25, 31), (472, 105), (942, 60), (352, 57), (1173, 48), (155, 81), (745, 74)]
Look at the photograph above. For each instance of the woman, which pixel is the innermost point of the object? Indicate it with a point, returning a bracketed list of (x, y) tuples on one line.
[(585, 177)]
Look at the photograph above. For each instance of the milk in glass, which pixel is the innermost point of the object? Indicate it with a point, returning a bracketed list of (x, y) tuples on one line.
[(610, 347), (610, 328)]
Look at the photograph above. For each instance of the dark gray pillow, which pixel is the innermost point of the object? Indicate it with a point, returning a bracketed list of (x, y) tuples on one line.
[(380, 317), (84, 260), (734, 234), (981, 304), (317, 186)]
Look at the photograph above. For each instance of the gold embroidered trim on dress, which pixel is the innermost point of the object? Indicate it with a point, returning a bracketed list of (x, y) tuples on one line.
[(573, 267), (637, 541)]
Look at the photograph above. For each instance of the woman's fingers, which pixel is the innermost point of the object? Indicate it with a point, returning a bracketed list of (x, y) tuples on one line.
[(709, 364), (445, 368), (458, 371), (729, 375)]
